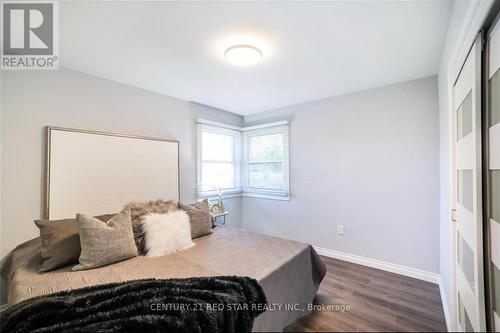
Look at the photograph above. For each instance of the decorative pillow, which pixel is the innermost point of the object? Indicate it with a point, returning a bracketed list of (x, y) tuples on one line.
[(200, 219), (166, 233), (60, 242), (138, 209), (205, 205), (105, 243)]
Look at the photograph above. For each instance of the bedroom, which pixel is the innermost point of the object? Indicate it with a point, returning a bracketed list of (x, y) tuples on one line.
[(330, 129)]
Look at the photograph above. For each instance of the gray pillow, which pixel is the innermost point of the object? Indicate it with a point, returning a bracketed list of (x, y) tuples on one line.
[(105, 243), (200, 218), (60, 242)]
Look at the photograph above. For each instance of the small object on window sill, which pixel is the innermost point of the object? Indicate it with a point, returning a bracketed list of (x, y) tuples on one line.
[(220, 215), (219, 201), (215, 209)]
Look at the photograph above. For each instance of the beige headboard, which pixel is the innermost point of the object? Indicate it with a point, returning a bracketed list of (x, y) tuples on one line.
[(96, 173)]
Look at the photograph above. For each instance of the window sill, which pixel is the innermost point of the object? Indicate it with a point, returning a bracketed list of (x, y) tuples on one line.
[(266, 196), (246, 195), (212, 197)]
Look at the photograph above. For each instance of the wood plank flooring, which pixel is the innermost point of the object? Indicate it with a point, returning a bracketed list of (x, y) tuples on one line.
[(378, 300)]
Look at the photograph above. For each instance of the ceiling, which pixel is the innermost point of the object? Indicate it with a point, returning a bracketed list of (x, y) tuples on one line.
[(311, 50)]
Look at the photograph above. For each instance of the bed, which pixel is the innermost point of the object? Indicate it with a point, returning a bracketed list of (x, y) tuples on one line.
[(288, 271)]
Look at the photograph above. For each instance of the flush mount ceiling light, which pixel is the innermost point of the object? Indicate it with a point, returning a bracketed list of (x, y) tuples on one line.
[(243, 55)]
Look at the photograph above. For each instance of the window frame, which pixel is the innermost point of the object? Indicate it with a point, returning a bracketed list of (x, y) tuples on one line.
[(259, 131), (223, 130), (241, 161)]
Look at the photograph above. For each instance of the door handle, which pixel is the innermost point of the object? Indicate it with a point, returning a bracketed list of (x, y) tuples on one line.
[(454, 215)]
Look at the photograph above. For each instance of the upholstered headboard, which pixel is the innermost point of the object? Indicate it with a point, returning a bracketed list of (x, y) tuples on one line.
[(98, 173)]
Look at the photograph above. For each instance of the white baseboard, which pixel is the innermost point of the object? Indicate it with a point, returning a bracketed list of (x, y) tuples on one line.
[(444, 303), (393, 268), (385, 266)]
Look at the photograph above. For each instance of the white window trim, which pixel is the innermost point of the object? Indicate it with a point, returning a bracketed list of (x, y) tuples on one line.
[(239, 128), (262, 130), (241, 191), (199, 161), (215, 123), (274, 124), (225, 195), (266, 196)]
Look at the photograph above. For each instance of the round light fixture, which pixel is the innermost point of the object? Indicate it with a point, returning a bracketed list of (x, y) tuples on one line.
[(243, 55)]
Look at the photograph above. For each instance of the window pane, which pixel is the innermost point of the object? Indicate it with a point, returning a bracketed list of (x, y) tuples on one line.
[(217, 147), (266, 176), (217, 175), (464, 117), (266, 147)]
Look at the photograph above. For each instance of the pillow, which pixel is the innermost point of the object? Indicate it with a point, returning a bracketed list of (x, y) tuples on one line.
[(206, 206), (138, 209), (105, 243), (200, 219), (60, 242), (166, 233)]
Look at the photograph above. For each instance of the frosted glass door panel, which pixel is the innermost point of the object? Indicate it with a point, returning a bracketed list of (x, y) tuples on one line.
[(464, 118), (495, 98), (466, 261), (465, 189)]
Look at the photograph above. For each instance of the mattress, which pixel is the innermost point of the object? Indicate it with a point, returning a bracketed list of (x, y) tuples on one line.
[(289, 272)]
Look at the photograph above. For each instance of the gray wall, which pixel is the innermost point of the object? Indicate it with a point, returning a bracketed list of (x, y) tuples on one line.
[(369, 161), (34, 99)]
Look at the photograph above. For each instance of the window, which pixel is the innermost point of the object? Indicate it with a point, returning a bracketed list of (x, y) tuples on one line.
[(266, 160), (252, 161), (218, 159)]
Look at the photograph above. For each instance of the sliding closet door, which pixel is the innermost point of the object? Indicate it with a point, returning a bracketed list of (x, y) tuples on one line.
[(469, 241), (493, 170)]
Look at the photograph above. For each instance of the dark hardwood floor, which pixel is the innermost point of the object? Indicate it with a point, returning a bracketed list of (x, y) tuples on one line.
[(378, 300)]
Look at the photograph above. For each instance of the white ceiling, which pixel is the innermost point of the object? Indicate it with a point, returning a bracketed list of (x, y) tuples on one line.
[(311, 49)]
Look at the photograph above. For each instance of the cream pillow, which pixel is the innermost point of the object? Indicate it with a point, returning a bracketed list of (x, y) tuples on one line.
[(166, 233)]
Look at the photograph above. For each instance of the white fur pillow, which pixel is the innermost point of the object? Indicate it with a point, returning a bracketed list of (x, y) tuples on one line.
[(166, 233)]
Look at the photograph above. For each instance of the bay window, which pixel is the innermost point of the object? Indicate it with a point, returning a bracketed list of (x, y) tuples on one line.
[(252, 161)]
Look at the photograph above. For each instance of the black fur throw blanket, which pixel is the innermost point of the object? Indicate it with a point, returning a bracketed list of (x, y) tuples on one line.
[(204, 304)]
